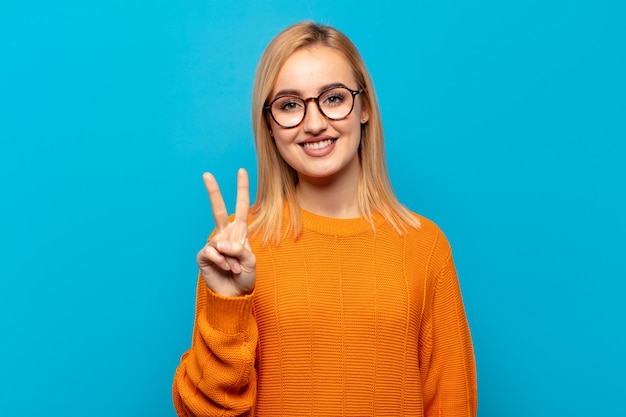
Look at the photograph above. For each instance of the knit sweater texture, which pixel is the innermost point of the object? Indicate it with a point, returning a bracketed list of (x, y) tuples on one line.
[(347, 320)]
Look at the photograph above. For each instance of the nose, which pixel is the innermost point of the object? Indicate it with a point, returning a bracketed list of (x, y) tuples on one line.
[(314, 121)]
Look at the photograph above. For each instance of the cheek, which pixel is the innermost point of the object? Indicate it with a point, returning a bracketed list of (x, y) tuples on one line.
[(283, 137), (352, 127), (284, 141), (280, 134)]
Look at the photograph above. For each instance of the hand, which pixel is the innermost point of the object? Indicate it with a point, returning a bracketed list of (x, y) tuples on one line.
[(227, 262)]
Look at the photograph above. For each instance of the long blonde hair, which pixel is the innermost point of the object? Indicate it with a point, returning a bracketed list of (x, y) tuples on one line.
[(277, 180)]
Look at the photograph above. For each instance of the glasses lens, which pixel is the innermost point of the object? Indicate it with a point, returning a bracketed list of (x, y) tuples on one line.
[(288, 111), (336, 103)]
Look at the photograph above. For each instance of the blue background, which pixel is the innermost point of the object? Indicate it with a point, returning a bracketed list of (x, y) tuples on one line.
[(505, 123)]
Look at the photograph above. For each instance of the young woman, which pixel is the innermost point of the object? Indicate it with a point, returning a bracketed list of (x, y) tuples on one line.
[(327, 297)]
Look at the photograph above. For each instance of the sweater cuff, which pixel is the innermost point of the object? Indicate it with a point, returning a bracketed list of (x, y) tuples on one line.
[(229, 315)]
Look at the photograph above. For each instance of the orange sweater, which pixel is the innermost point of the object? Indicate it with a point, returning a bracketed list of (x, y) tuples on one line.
[(345, 321)]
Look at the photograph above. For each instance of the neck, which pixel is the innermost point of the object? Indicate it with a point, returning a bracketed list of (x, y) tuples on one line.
[(330, 197)]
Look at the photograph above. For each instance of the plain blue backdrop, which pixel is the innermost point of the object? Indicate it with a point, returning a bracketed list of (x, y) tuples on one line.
[(505, 124)]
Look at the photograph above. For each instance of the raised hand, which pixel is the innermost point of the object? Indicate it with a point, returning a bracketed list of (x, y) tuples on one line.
[(226, 261)]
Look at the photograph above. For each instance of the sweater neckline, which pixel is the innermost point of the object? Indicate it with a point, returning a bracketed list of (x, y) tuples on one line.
[(338, 226)]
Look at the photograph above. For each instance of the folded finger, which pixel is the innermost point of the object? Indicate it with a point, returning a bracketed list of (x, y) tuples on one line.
[(237, 255), (210, 255)]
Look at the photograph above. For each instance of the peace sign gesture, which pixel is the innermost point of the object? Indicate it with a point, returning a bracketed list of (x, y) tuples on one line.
[(226, 261)]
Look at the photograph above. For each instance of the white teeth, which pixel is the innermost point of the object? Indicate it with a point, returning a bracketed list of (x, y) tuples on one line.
[(318, 145)]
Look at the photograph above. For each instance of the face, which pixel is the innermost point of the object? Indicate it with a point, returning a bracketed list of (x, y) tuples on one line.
[(319, 148)]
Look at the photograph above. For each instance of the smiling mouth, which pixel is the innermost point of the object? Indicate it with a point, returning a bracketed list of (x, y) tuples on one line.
[(318, 145)]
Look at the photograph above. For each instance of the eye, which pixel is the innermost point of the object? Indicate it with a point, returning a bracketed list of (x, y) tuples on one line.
[(334, 97), (287, 104)]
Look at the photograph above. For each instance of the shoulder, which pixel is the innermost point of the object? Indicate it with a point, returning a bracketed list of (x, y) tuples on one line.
[(429, 236)]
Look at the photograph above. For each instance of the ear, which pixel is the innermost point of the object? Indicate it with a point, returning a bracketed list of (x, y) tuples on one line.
[(365, 115), (269, 125), (365, 112)]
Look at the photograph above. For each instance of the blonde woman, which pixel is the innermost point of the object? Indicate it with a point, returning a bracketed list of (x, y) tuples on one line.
[(326, 297)]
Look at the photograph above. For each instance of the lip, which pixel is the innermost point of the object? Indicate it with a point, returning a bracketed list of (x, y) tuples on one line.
[(318, 152)]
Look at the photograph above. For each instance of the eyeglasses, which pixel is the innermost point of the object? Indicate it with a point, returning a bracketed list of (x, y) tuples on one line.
[(289, 111)]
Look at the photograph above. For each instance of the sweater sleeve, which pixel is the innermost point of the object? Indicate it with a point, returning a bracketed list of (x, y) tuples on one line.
[(217, 376), (447, 361)]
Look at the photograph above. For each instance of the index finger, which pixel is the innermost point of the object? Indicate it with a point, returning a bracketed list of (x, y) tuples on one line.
[(242, 204), (220, 214)]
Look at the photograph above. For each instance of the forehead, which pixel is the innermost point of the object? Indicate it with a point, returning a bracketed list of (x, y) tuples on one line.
[(308, 70)]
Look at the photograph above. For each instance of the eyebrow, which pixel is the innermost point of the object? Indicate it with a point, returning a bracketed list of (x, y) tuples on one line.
[(298, 93)]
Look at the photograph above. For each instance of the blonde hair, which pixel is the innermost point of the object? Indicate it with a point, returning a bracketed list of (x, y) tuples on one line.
[(277, 180)]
